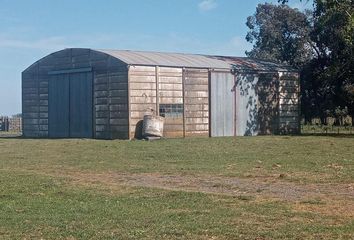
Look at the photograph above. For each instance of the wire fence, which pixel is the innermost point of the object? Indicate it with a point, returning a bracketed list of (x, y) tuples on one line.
[(326, 129)]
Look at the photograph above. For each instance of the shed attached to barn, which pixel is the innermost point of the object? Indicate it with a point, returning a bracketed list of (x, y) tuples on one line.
[(86, 93)]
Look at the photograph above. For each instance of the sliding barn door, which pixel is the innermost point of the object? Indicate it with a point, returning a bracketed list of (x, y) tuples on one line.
[(70, 105)]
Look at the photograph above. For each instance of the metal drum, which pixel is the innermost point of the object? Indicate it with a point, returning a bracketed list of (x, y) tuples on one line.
[(153, 126)]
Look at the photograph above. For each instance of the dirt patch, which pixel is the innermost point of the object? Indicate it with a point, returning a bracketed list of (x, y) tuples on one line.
[(271, 187), (342, 209)]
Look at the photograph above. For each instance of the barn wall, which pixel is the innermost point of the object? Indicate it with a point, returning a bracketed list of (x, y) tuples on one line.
[(247, 119), (289, 108), (142, 90), (35, 81), (268, 103), (31, 113), (222, 104), (196, 102), (111, 103), (170, 94)]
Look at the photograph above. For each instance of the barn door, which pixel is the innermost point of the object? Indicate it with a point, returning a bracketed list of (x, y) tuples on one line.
[(58, 111), (81, 105), (70, 105), (222, 104)]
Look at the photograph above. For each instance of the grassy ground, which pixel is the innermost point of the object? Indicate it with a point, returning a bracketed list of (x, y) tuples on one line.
[(220, 188)]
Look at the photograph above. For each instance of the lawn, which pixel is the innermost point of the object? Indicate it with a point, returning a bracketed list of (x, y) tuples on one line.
[(271, 187)]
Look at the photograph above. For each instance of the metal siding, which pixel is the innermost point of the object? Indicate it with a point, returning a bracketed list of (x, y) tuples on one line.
[(81, 105), (268, 109), (196, 102), (58, 106), (246, 105), (222, 104)]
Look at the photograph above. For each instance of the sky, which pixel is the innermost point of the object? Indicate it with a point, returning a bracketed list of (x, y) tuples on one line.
[(32, 29)]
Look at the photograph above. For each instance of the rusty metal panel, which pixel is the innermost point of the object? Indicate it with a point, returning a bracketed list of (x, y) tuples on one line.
[(222, 104), (246, 105)]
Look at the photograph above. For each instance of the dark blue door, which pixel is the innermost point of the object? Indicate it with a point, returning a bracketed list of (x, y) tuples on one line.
[(58, 111), (70, 105), (81, 105)]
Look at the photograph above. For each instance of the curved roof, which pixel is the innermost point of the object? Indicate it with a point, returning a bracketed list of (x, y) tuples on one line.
[(146, 58)]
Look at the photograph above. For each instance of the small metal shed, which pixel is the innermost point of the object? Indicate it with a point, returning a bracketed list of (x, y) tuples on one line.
[(86, 93)]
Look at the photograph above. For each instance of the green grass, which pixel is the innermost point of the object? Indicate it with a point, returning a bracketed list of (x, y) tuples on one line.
[(37, 202)]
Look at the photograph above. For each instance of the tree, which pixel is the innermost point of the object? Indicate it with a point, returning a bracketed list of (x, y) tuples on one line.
[(279, 34), (320, 44)]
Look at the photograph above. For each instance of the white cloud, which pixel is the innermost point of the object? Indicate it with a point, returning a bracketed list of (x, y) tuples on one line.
[(207, 5), (53, 42)]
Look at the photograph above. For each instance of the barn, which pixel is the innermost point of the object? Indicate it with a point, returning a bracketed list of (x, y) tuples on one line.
[(104, 94)]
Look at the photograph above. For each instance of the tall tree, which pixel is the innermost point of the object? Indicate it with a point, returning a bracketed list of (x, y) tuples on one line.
[(328, 79), (279, 33)]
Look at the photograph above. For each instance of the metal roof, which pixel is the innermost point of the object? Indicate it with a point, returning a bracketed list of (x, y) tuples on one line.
[(166, 59), (194, 61), (251, 64)]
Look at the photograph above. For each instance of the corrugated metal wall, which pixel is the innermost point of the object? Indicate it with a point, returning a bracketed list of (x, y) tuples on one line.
[(196, 102), (222, 100), (289, 105), (247, 123), (268, 103), (174, 87), (142, 89), (110, 92), (171, 94)]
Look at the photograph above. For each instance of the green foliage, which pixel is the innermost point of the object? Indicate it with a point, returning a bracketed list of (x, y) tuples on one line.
[(327, 71), (279, 34)]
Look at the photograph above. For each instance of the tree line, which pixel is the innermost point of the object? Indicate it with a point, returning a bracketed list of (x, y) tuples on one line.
[(317, 42)]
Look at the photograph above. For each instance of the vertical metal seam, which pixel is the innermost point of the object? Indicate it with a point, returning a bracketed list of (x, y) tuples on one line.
[(209, 101), (93, 105), (69, 105), (23, 105), (184, 102), (109, 104), (157, 90), (235, 106), (128, 101)]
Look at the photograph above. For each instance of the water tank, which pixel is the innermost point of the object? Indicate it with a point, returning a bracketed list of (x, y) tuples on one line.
[(153, 126)]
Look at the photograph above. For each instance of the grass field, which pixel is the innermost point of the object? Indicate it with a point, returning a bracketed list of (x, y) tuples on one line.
[(219, 188)]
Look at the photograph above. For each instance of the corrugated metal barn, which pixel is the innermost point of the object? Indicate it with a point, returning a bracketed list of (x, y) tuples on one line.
[(86, 93)]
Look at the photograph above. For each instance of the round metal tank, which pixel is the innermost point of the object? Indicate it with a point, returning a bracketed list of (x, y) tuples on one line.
[(153, 126)]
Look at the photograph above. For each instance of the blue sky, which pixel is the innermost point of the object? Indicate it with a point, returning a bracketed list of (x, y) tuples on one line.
[(31, 29)]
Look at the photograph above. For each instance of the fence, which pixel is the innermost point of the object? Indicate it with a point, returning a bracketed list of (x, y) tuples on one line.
[(13, 124)]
